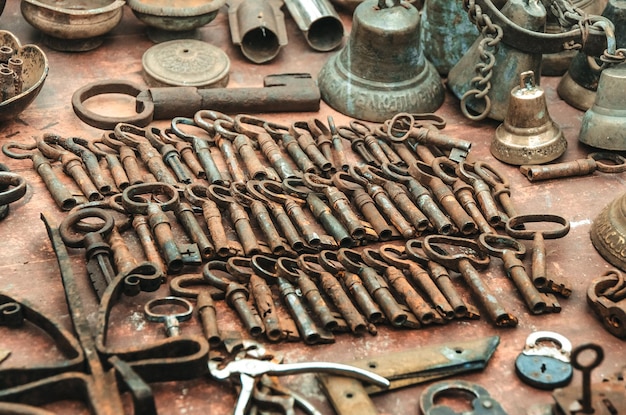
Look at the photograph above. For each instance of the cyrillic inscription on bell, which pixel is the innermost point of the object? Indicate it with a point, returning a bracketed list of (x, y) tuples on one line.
[(382, 70), (528, 134)]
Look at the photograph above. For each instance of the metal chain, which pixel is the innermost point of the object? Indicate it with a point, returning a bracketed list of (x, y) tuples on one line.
[(569, 16), (618, 291), (492, 35), (566, 14)]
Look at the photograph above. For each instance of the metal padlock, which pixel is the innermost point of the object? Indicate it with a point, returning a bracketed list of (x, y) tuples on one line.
[(482, 403), (545, 361)]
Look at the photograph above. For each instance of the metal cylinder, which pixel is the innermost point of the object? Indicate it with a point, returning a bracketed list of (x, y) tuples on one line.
[(319, 22), (258, 28)]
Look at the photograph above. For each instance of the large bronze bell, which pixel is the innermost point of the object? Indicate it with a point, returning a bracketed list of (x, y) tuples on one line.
[(579, 84), (604, 124), (528, 134), (446, 33), (509, 62), (382, 70), (608, 232)]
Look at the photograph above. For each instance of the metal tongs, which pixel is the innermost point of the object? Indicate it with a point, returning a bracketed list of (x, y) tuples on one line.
[(251, 368)]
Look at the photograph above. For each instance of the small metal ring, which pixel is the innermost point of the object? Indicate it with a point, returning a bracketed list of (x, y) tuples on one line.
[(328, 260), (438, 254), (170, 301), (119, 86), (259, 264), (465, 110), (582, 348), (220, 195), (350, 259), (132, 205), (514, 226), (490, 175), (506, 243), (73, 218), (30, 150), (310, 264), (390, 127), (15, 193), (618, 167)]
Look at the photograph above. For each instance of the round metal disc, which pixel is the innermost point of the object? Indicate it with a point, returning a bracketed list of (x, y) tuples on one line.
[(186, 62)]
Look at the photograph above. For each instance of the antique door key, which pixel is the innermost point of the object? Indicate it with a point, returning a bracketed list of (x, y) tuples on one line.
[(545, 361)]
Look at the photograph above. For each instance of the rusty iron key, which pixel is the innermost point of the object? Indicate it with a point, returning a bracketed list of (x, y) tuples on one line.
[(397, 256), (405, 291), (511, 251), (441, 277), (375, 285), (353, 284), (236, 293), (329, 283), (98, 251), (464, 259), (516, 227), (601, 161), (280, 93)]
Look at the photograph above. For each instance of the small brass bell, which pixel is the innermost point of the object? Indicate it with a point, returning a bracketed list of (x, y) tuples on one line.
[(382, 70), (579, 84), (608, 232), (507, 63), (528, 134), (604, 124)]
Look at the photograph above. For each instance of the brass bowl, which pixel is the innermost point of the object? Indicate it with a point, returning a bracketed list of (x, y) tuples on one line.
[(73, 25), (179, 18), (34, 72)]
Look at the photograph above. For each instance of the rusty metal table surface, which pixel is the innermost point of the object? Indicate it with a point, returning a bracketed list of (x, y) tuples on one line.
[(28, 266)]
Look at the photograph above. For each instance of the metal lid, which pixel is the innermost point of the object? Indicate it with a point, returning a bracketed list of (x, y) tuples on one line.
[(186, 62)]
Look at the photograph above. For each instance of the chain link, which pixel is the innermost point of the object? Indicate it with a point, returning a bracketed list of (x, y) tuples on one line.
[(492, 35), (566, 14)]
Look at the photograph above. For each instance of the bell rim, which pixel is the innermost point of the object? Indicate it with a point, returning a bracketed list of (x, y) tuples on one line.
[(600, 233), (518, 155)]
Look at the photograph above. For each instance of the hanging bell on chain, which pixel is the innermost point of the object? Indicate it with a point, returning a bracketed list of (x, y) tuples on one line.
[(382, 70), (604, 124), (484, 86), (579, 84), (528, 134)]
